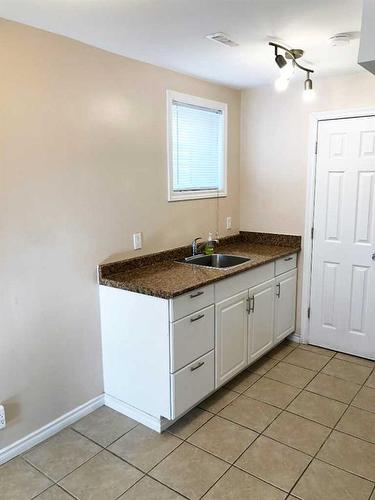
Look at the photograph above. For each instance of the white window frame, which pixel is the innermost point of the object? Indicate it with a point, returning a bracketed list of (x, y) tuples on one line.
[(206, 103)]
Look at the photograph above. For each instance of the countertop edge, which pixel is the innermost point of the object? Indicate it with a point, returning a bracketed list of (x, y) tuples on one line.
[(120, 285)]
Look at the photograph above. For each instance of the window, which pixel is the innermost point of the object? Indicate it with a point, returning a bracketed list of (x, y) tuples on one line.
[(197, 136)]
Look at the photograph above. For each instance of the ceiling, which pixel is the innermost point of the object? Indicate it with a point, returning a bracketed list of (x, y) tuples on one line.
[(171, 33)]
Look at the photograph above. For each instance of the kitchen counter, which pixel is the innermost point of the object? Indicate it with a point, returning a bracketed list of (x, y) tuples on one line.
[(161, 276)]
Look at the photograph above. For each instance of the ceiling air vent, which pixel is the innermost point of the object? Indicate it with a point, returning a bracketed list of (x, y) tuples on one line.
[(222, 38)]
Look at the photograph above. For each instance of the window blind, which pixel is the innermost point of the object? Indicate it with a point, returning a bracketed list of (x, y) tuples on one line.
[(198, 147)]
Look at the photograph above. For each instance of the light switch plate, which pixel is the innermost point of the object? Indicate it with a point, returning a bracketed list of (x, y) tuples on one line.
[(229, 222), (137, 241)]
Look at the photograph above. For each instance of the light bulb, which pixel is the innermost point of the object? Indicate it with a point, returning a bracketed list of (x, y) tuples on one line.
[(288, 70), (308, 95), (281, 84)]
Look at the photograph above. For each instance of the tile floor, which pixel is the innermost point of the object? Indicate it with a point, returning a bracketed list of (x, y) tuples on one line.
[(299, 424)]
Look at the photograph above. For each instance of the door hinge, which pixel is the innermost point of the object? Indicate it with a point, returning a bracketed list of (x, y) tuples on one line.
[(309, 312), (316, 148), (312, 233)]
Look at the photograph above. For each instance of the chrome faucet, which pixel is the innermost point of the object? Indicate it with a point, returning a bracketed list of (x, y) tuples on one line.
[(195, 246)]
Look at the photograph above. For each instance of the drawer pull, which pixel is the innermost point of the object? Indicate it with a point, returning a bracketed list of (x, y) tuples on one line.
[(288, 258), (196, 318), (193, 295), (193, 368)]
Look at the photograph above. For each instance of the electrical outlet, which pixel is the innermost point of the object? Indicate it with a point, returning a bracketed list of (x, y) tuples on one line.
[(229, 222), (2, 417), (137, 241)]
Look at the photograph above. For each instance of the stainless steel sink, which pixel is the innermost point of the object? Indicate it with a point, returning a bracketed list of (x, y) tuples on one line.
[(217, 260)]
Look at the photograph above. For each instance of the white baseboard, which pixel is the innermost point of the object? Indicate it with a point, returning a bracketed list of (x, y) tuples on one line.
[(154, 423), (295, 338), (50, 429)]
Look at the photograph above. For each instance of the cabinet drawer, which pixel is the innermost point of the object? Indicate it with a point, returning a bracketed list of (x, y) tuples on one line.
[(285, 264), (192, 301), (243, 281), (192, 383), (192, 337)]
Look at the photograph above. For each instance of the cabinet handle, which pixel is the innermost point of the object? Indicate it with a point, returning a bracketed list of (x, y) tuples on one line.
[(252, 304), (193, 295), (288, 258), (193, 368), (373, 256), (196, 318), (278, 290)]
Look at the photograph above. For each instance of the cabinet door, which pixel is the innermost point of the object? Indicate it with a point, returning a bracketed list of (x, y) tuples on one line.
[(285, 306), (261, 319), (231, 337)]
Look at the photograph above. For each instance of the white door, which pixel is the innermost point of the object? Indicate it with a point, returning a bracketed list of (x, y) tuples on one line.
[(231, 337), (343, 267), (285, 305), (261, 319)]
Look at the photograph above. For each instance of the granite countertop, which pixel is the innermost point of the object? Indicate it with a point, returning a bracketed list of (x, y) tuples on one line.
[(161, 276)]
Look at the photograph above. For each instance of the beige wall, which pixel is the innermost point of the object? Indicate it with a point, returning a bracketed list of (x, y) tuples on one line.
[(274, 143), (82, 167)]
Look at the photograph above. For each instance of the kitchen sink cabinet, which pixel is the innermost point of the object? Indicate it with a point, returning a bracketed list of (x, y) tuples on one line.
[(231, 337), (285, 313), (161, 357), (261, 319)]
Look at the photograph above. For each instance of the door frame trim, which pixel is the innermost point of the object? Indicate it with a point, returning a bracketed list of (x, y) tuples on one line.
[(315, 118)]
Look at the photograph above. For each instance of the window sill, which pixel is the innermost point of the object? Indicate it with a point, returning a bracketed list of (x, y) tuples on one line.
[(196, 195)]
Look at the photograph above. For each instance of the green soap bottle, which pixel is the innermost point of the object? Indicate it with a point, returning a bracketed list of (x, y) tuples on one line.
[(209, 247)]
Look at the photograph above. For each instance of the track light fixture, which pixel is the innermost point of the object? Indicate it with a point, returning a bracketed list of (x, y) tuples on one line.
[(309, 92), (287, 65), (280, 60)]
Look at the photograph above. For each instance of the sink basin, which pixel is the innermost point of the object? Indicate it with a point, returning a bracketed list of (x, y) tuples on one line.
[(217, 260)]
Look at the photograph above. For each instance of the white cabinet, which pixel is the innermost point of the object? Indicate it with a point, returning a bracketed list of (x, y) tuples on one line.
[(285, 264), (162, 357), (191, 337), (231, 337), (192, 383), (261, 319), (191, 302), (285, 305)]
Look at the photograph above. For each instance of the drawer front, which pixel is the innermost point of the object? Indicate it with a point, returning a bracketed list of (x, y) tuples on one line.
[(192, 383), (191, 337), (242, 281), (285, 264), (192, 301)]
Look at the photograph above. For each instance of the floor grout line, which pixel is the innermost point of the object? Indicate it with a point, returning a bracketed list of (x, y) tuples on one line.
[(362, 409), (315, 456), (327, 437), (324, 442), (262, 433), (41, 492), (233, 465), (66, 475), (217, 414), (169, 487)]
